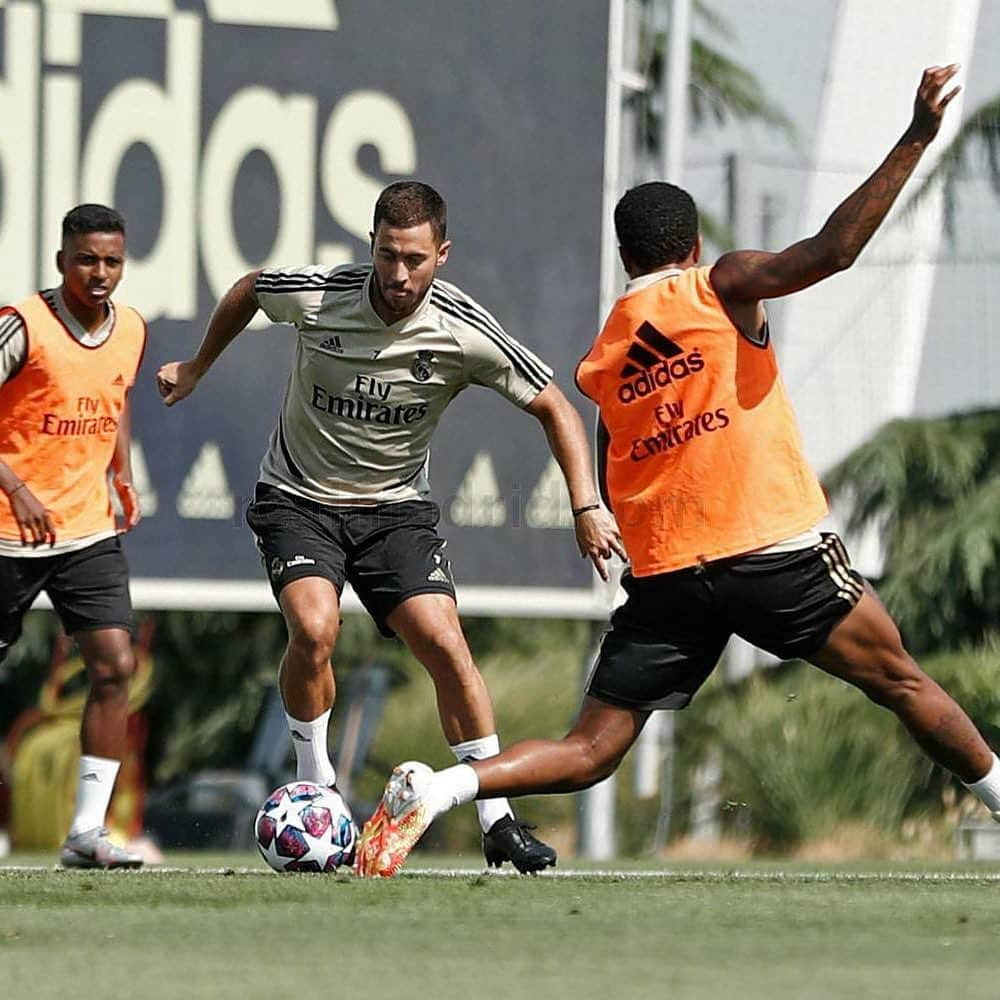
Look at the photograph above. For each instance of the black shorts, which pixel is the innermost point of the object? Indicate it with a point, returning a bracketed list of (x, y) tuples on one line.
[(388, 553), (666, 639), (88, 588)]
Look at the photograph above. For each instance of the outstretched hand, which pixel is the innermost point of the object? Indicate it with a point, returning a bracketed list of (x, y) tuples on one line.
[(929, 104), (598, 538), (176, 380)]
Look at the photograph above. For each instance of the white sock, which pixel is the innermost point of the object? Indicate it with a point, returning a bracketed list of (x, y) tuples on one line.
[(454, 786), (988, 788), (312, 759), (93, 792), (490, 810)]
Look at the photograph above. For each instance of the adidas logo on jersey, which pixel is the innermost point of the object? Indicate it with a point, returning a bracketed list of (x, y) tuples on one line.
[(654, 361), (118, 381), (332, 344)]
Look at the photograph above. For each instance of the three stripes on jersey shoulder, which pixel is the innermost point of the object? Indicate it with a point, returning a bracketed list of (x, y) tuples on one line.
[(277, 282), (10, 324), (459, 306)]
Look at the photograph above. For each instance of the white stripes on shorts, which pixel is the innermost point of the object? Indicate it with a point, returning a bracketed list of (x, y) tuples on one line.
[(838, 563)]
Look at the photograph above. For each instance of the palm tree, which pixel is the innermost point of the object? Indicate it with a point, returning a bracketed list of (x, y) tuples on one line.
[(721, 91), (932, 489)]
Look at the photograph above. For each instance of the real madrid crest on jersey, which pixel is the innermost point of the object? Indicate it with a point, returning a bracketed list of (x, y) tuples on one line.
[(423, 365)]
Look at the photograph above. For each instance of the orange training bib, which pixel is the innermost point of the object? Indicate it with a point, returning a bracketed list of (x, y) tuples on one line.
[(59, 417), (705, 459)]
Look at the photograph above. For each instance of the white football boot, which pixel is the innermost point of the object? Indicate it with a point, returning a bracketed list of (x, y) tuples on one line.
[(93, 849)]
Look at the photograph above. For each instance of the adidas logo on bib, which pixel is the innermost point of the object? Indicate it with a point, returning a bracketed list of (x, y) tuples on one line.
[(654, 361)]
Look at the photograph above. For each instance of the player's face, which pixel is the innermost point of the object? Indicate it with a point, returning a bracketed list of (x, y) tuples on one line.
[(91, 265), (405, 261)]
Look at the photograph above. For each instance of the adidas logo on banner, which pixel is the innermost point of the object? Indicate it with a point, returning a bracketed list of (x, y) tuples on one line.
[(549, 505), (118, 381), (479, 503), (655, 361), (205, 493), (140, 479)]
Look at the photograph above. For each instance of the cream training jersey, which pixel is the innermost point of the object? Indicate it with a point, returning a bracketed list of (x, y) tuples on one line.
[(363, 398)]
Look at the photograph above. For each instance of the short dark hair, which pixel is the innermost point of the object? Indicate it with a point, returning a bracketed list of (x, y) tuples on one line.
[(656, 224), (92, 218), (411, 203)]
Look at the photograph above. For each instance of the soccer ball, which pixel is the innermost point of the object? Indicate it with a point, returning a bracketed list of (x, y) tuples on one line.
[(305, 828)]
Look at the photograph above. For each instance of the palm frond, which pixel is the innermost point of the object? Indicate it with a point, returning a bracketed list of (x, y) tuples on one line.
[(932, 488), (720, 89), (716, 23), (723, 90), (910, 465)]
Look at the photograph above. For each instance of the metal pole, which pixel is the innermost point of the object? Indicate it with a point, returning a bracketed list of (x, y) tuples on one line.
[(676, 92), (596, 834), (612, 154), (596, 806)]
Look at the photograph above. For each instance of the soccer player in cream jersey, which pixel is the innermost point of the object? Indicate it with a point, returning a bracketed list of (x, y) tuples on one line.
[(343, 495), (68, 358)]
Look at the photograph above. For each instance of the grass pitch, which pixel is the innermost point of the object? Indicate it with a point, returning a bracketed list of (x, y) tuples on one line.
[(225, 927)]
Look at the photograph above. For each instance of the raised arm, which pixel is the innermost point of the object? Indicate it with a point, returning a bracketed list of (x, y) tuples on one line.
[(745, 277), (596, 532), (177, 379)]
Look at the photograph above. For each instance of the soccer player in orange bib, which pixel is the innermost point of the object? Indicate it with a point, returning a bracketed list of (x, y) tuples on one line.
[(68, 358), (703, 468)]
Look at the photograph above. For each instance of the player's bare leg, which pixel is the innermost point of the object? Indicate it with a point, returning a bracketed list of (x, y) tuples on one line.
[(590, 752), (110, 661), (415, 795), (107, 653), (865, 649), (311, 609), (429, 625)]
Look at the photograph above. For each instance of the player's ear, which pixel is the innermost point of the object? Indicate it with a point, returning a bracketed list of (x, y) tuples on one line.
[(59, 262), (371, 242), (443, 251), (696, 253)]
